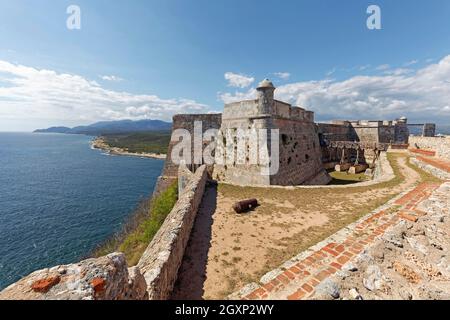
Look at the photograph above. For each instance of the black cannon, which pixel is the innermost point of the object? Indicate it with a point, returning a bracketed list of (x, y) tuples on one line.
[(245, 205)]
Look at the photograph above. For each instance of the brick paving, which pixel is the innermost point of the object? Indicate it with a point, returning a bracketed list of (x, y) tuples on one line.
[(424, 152), (436, 162), (300, 279)]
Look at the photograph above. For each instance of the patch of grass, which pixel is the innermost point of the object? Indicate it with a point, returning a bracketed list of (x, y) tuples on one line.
[(139, 232), (342, 178)]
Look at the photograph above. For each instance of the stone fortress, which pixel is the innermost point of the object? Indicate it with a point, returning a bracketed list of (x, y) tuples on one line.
[(299, 147), (306, 149)]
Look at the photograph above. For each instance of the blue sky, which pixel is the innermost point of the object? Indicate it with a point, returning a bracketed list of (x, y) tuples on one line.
[(151, 59)]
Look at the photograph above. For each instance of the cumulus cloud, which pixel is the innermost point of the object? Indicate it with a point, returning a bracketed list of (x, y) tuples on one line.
[(423, 95), (412, 62), (398, 71), (29, 93), (238, 80), (283, 75), (111, 78), (331, 72), (383, 67), (364, 67), (227, 97)]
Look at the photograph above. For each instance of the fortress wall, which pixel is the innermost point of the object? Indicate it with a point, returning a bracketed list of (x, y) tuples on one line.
[(240, 174), (300, 154), (367, 134), (184, 121), (386, 134), (241, 109), (401, 135), (334, 132), (438, 144), (160, 262)]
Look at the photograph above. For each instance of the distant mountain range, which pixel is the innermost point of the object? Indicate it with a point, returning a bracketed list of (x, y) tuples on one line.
[(112, 127), (127, 126)]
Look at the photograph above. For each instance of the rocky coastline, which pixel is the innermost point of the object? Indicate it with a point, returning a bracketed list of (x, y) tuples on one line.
[(100, 143)]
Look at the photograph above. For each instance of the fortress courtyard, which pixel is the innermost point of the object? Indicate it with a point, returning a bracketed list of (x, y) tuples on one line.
[(227, 251)]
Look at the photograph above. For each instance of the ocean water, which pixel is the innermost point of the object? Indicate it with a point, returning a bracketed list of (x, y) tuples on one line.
[(59, 199)]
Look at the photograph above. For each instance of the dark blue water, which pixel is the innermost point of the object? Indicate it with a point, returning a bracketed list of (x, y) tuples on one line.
[(59, 199)]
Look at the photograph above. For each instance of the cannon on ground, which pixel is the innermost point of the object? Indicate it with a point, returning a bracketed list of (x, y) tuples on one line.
[(245, 205)]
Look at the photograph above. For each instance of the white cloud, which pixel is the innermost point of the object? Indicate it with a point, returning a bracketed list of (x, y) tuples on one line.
[(398, 71), (238, 80), (237, 96), (365, 67), (111, 78), (283, 75), (412, 62), (383, 67), (31, 94), (331, 72), (422, 94)]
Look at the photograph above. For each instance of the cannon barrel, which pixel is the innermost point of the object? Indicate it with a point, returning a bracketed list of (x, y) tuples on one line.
[(245, 205)]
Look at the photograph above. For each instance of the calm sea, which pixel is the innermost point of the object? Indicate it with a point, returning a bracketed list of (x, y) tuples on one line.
[(59, 199)]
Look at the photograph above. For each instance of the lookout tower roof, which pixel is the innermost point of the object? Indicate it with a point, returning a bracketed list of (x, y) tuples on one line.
[(266, 83)]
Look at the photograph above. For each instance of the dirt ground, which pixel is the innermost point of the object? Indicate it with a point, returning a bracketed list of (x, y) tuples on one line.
[(227, 250)]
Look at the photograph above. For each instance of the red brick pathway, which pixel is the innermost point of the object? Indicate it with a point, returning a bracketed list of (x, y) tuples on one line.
[(424, 152), (436, 162), (300, 280)]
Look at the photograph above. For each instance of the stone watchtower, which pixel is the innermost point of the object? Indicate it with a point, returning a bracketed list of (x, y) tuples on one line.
[(265, 95), (298, 152)]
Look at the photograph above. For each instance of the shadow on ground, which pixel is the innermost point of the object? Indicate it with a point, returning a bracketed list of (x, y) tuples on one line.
[(192, 273)]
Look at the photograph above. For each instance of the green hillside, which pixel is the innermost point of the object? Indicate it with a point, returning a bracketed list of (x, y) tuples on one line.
[(140, 142)]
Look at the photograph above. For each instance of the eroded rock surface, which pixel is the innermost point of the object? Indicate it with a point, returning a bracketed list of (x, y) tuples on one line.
[(410, 262), (105, 278)]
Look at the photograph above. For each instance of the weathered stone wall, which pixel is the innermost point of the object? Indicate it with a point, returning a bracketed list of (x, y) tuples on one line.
[(366, 131), (429, 130), (187, 121), (161, 260), (334, 131), (300, 154), (299, 147), (401, 133), (438, 144), (105, 278), (184, 121)]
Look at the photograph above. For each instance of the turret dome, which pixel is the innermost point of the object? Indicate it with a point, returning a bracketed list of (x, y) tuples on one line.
[(266, 83)]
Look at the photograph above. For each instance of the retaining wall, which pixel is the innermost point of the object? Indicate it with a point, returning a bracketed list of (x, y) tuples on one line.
[(160, 262)]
